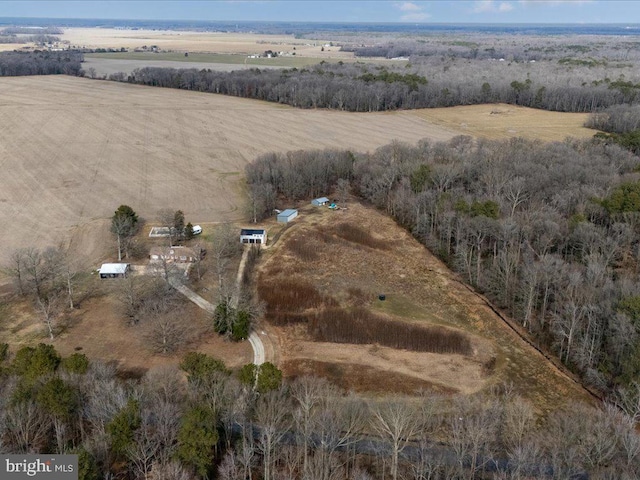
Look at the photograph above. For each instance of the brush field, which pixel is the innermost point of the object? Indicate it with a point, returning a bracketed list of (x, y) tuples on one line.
[(321, 282)]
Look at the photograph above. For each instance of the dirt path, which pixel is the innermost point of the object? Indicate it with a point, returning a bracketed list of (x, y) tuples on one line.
[(254, 339)]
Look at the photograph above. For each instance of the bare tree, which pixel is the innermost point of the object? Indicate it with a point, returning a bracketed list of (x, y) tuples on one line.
[(17, 269), (199, 252), (168, 332), (27, 427), (397, 421), (342, 189), (473, 428), (272, 419), (121, 227), (49, 308), (225, 246), (143, 450), (172, 470)]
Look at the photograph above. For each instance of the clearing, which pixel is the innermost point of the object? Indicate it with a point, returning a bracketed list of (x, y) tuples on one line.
[(344, 259)]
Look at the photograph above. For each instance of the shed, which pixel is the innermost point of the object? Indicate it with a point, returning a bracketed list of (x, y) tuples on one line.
[(287, 215), (114, 270), (249, 235), (319, 201)]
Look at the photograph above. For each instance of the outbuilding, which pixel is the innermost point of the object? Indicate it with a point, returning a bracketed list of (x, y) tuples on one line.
[(114, 270), (287, 215), (318, 202), (249, 235)]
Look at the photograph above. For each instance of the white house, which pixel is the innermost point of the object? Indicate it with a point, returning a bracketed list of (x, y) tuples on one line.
[(248, 235)]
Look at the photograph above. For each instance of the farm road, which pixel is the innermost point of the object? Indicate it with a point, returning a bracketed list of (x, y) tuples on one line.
[(254, 338)]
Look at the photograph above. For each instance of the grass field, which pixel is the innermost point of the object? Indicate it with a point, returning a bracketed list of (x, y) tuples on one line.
[(420, 292), (191, 41), (228, 59)]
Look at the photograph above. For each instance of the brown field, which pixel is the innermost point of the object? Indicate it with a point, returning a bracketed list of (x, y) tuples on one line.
[(420, 291), (498, 121), (246, 43), (73, 149)]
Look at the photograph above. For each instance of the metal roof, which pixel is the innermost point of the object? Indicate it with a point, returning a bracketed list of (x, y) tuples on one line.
[(321, 200), (287, 212), (114, 268), (249, 231)]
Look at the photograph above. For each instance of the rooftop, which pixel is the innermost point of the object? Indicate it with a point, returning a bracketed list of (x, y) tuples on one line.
[(250, 231), (114, 268), (287, 212)]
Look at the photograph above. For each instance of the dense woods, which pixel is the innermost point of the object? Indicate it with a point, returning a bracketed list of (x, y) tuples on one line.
[(593, 73), (367, 88), (548, 231), (40, 63), (203, 421)]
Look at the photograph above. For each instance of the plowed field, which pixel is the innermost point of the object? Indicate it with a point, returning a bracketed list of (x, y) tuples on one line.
[(72, 150)]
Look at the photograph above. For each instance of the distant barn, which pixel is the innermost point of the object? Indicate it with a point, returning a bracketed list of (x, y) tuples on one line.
[(248, 235), (287, 215), (114, 270)]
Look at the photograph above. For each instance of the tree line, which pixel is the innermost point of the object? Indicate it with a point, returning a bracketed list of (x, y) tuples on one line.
[(549, 232), (365, 88), (40, 63), (205, 421), (593, 73)]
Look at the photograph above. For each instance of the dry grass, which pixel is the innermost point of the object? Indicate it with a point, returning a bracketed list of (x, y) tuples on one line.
[(362, 378), (498, 121), (420, 292), (287, 299), (356, 234)]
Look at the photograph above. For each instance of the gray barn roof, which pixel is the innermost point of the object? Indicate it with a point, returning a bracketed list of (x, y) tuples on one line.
[(288, 212)]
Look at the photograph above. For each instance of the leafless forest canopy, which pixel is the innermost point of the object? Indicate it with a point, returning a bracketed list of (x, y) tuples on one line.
[(548, 231), (227, 426), (573, 74)]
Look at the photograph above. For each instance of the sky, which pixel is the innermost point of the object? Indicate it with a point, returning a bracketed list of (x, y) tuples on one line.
[(433, 11)]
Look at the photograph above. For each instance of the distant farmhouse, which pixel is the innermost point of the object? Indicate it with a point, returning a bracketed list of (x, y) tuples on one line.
[(176, 254), (114, 270), (248, 235)]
